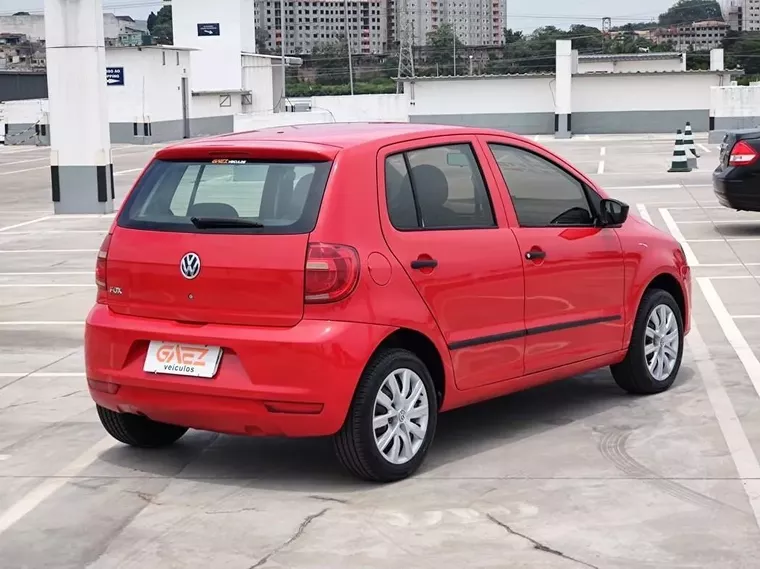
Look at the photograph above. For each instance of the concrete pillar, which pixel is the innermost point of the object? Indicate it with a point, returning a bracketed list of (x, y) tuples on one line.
[(563, 90), (80, 141), (717, 60)]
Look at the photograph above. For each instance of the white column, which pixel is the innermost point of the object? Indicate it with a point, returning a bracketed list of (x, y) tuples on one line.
[(80, 141), (717, 60), (563, 90)]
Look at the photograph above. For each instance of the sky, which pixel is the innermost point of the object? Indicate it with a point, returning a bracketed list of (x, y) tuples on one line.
[(523, 15)]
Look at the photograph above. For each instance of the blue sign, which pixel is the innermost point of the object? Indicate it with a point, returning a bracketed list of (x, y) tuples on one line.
[(115, 76), (208, 29)]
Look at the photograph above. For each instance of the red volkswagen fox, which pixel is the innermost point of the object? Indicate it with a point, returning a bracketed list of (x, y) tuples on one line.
[(356, 280)]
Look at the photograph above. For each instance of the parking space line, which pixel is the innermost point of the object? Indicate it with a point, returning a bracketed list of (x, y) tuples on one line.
[(745, 316), (57, 232), (720, 221), (45, 251), (24, 170), (122, 172), (732, 333), (644, 213), (42, 492), (654, 187), (47, 274), (25, 223), (51, 375), (46, 285), (704, 148), (735, 277), (672, 226), (600, 168), (745, 461), (727, 240)]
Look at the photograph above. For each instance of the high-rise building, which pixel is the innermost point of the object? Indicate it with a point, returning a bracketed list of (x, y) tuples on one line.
[(309, 23), (475, 22), (742, 15)]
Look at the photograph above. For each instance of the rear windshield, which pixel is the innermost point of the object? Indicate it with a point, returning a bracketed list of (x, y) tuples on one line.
[(277, 197)]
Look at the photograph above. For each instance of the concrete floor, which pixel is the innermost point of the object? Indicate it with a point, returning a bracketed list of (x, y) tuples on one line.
[(575, 474)]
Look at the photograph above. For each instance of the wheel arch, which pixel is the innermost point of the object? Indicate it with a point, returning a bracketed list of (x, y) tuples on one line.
[(670, 284), (425, 349)]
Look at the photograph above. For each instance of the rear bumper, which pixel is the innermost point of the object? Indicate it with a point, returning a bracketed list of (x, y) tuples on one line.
[(294, 382), (737, 194)]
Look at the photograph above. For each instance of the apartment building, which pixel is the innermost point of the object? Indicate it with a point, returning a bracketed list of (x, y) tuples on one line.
[(309, 23), (699, 36), (475, 22), (742, 15)]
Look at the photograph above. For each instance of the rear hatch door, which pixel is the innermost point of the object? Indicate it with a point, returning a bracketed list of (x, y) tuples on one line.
[(219, 234)]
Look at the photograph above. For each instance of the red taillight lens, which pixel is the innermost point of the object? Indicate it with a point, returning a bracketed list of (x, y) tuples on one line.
[(100, 271), (332, 272), (742, 154)]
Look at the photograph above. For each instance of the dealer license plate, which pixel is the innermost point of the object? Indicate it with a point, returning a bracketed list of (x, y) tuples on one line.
[(182, 359)]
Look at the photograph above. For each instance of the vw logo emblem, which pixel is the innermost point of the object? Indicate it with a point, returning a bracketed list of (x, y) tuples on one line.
[(190, 266)]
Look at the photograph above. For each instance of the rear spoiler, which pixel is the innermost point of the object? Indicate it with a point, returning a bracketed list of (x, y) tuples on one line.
[(253, 150)]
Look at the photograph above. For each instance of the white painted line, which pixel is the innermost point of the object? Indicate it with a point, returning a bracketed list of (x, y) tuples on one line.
[(735, 277), (728, 265), (45, 251), (747, 466), (122, 172), (727, 240), (3, 164), (704, 148), (24, 170), (4, 456), (10, 323), (602, 151), (676, 232), (57, 232), (720, 221), (644, 213), (50, 486), (656, 187), (600, 169), (698, 207), (745, 316), (25, 223), (61, 375), (733, 335), (46, 285), (47, 274)]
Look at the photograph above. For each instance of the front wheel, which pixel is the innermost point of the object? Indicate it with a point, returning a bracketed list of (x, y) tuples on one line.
[(392, 419), (656, 349)]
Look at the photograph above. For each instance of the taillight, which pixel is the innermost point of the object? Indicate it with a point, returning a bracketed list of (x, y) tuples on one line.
[(101, 279), (742, 154), (332, 272)]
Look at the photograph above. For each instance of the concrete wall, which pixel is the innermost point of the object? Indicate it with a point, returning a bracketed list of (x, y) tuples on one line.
[(389, 108), (634, 103), (601, 103), (733, 108), (258, 78), (520, 104), (631, 66), (19, 86)]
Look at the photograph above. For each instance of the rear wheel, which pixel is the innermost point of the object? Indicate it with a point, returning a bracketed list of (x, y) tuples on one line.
[(656, 348), (139, 431), (392, 419)]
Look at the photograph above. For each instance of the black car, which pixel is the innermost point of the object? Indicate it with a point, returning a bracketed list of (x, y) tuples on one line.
[(736, 180)]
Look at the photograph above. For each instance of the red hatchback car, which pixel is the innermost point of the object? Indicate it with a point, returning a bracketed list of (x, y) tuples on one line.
[(356, 280)]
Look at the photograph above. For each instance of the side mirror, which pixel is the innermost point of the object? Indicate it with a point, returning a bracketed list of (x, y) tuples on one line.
[(613, 212)]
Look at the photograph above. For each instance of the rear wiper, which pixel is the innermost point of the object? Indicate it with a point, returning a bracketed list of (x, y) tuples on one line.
[(223, 222)]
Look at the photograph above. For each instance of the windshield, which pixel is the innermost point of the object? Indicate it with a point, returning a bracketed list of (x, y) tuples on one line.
[(227, 196)]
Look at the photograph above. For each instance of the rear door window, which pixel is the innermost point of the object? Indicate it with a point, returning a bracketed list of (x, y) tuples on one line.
[(438, 187), (275, 197)]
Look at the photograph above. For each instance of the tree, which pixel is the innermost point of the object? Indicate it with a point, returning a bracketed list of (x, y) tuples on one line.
[(151, 21), (262, 35), (330, 60), (162, 31), (687, 11), (441, 48)]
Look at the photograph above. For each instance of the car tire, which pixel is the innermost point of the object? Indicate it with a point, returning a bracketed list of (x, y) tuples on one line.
[(635, 373), (139, 431), (409, 431)]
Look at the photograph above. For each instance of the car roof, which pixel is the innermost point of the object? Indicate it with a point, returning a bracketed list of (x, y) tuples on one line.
[(339, 135)]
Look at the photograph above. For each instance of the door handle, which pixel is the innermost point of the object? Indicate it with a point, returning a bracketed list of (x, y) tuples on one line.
[(535, 255), (424, 264)]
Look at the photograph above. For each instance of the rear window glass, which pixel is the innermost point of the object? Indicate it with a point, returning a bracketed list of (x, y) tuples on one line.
[(282, 197)]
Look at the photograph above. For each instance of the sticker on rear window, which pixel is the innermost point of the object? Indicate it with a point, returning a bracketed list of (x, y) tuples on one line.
[(228, 161)]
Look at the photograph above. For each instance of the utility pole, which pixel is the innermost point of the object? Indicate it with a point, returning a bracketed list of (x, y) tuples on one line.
[(282, 45), (348, 41), (455, 48)]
